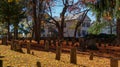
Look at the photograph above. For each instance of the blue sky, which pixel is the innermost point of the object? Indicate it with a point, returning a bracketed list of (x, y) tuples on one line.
[(57, 10)]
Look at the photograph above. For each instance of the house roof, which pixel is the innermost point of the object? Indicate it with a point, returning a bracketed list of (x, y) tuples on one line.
[(74, 17)]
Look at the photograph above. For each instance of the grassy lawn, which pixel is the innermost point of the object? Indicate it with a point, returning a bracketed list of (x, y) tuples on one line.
[(47, 59)]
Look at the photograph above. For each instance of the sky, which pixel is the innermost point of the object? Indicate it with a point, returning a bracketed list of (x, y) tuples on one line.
[(57, 10)]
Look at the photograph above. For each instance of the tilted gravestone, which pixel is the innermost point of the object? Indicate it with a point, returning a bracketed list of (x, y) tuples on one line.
[(73, 56), (58, 53), (113, 62)]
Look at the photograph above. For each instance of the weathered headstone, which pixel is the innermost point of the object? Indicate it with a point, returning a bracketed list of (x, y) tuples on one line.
[(38, 64), (58, 53), (82, 46), (113, 62), (91, 56), (28, 48), (73, 56), (92, 45), (12, 44), (33, 53), (18, 47), (4, 41), (46, 45), (1, 63)]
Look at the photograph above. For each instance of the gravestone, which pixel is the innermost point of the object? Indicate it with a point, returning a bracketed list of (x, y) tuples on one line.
[(38, 64), (92, 45), (46, 45), (1, 63), (4, 41), (91, 56), (33, 53), (28, 48), (73, 56), (113, 62), (58, 53), (12, 44), (18, 47)]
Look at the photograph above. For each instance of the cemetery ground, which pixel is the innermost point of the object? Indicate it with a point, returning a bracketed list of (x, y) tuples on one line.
[(47, 58)]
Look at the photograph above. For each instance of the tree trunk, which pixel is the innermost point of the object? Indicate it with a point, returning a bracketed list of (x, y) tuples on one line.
[(118, 31), (34, 18), (37, 19), (75, 31), (81, 21), (35, 26), (60, 33), (110, 27), (62, 16), (15, 33), (8, 27)]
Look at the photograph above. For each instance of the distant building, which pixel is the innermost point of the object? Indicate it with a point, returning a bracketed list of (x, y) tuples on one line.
[(69, 28), (109, 30)]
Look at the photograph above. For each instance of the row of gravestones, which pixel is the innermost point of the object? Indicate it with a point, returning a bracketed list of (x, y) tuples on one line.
[(73, 57), (16, 46)]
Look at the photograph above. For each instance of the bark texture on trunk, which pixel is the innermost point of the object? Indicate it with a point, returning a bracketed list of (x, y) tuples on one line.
[(118, 31), (8, 27), (80, 22), (16, 32), (37, 19)]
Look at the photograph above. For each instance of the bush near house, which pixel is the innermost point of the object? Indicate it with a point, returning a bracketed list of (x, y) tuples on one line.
[(105, 38)]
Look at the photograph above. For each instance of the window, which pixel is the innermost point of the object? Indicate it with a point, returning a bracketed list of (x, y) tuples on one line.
[(83, 32)]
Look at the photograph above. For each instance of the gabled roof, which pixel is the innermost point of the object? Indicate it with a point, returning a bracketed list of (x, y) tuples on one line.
[(74, 17)]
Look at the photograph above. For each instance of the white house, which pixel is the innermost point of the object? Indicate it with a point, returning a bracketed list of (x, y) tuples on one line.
[(69, 28)]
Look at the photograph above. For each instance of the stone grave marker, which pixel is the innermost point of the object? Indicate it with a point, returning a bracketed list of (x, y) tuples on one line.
[(46, 45), (58, 53), (113, 62), (28, 48), (73, 55), (38, 64), (91, 56)]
